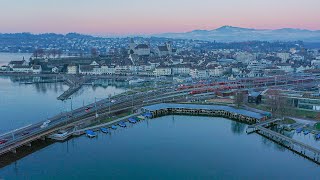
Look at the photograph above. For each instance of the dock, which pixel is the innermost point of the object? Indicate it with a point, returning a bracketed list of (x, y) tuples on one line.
[(74, 83), (206, 110), (267, 122), (298, 147), (97, 127)]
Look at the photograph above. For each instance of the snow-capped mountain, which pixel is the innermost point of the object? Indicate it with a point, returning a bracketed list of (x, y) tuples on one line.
[(233, 34)]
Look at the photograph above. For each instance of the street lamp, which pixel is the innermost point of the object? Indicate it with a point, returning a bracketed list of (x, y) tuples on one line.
[(95, 104)]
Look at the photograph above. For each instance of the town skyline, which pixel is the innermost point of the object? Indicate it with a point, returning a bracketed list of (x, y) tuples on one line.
[(144, 17)]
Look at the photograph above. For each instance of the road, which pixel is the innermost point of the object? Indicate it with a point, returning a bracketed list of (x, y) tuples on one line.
[(100, 107)]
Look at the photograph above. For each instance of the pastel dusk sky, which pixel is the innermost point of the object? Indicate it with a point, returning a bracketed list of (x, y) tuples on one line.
[(105, 17)]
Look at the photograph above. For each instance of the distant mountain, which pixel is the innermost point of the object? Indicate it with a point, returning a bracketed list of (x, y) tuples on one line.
[(236, 34)]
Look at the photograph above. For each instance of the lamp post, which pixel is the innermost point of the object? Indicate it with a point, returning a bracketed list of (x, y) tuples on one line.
[(95, 107)]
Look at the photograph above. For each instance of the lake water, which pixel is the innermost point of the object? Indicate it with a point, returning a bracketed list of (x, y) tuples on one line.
[(170, 147), (5, 58), (21, 104)]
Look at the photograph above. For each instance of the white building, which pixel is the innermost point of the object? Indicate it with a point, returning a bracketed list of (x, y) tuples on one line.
[(286, 68), (72, 69), (216, 71), (108, 69), (283, 56), (302, 68), (180, 70), (22, 69), (4, 68), (36, 69), (163, 71), (90, 70), (18, 63), (55, 70), (315, 63), (199, 73), (244, 57)]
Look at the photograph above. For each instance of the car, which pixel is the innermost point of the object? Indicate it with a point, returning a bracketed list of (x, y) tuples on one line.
[(25, 133), (87, 109), (47, 121), (44, 125), (113, 101), (3, 141)]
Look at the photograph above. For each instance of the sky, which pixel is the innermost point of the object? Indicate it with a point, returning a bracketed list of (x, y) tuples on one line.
[(116, 17)]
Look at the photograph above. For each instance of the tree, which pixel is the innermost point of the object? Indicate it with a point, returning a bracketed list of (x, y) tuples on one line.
[(277, 103), (59, 53), (38, 53), (54, 53), (94, 52)]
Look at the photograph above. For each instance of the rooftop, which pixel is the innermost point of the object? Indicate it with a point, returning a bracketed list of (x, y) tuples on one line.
[(207, 107)]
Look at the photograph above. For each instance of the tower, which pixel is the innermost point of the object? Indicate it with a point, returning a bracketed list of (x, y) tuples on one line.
[(132, 45)]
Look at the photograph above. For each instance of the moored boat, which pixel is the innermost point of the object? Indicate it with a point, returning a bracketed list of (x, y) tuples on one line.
[(141, 117), (104, 130), (122, 124), (91, 134), (132, 120), (299, 130)]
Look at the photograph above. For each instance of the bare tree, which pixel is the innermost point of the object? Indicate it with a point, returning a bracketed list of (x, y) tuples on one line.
[(35, 53), (277, 103), (54, 53), (94, 52), (59, 53)]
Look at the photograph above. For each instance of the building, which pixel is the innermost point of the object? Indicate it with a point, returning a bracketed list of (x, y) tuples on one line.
[(286, 67), (22, 69), (72, 69), (165, 50), (89, 70), (283, 56), (140, 49), (55, 70), (4, 68), (181, 70), (199, 73), (254, 97), (18, 63), (215, 71), (163, 71), (36, 69)]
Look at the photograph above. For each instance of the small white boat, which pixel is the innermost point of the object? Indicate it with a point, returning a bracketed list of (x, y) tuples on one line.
[(60, 136)]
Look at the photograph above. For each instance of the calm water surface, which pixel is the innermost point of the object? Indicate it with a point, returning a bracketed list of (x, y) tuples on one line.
[(171, 147), (5, 58), (21, 104)]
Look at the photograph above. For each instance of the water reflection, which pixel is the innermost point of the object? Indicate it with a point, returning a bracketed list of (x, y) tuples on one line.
[(24, 104), (238, 128), (139, 147)]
